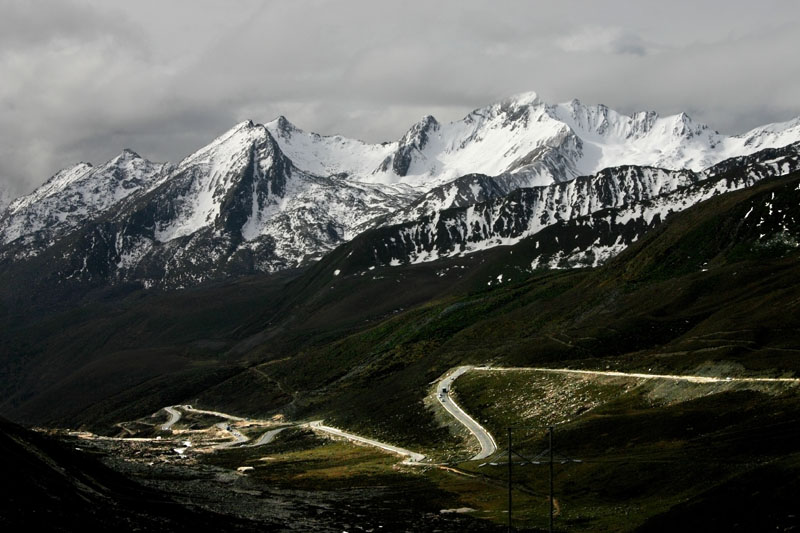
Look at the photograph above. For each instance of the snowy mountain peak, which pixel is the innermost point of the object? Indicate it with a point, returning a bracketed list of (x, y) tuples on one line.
[(418, 131), (283, 126), (605, 122), (537, 142), (410, 147), (127, 164), (328, 155), (228, 147), (770, 135), (57, 183), (642, 122), (686, 127), (510, 110), (223, 184), (77, 193), (264, 197), (130, 154)]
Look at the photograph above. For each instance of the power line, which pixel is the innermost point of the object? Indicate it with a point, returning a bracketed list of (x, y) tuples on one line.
[(725, 436), (550, 453), (510, 462)]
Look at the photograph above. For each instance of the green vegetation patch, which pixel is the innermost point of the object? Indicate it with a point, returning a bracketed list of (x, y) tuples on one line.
[(524, 397), (628, 450)]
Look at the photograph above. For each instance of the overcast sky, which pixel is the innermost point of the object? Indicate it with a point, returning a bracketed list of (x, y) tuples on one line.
[(81, 80)]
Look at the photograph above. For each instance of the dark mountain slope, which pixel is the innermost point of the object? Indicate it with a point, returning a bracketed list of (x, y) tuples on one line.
[(58, 488), (730, 302), (122, 355), (334, 339), (171, 345)]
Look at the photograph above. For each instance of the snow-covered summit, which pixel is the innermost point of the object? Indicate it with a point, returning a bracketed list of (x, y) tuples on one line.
[(225, 148), (265, 197), (77, 193), (244, 161), (327, 155), (768, 136), (524, 135)]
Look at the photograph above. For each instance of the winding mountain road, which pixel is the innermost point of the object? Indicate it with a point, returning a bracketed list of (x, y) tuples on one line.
[(485, 439), (174, 416), (413, 457), (267, 437), (639, 375), (191, 409), (443, 390), (487, 442), (238, 438)]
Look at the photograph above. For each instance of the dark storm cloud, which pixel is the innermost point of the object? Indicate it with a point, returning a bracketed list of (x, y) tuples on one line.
[(83, 79)]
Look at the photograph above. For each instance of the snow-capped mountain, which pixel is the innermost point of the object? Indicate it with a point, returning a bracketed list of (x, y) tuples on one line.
[(77, 194), (519, 142), (527, 140), (592, 217), (236, 206), (269, 197), (240, 199)]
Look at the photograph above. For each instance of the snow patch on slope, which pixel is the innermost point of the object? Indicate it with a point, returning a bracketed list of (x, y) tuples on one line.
[(327, 155)]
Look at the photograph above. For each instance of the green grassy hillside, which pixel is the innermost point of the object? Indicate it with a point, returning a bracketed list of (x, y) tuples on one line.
[(712, 291)]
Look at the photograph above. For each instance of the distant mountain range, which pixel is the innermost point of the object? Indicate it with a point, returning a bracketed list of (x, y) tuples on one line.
[(429, 259), (264, 198)]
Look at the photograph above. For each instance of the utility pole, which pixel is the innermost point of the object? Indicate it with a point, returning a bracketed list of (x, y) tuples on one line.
[(550, 431), (509, 480), (537, 460)]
